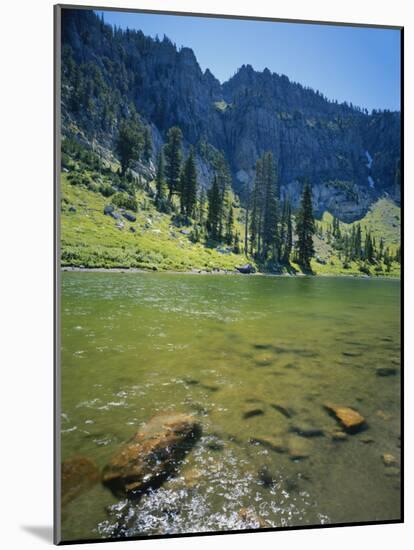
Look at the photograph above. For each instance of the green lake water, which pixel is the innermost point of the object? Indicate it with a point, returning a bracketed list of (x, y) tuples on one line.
[(219, 346)]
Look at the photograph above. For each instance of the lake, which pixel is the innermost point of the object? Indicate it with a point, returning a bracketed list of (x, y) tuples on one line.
[(254, 358)]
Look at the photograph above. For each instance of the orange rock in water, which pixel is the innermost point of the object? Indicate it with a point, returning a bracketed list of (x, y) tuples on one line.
[(151, 455), (350, 419), (78, 474)]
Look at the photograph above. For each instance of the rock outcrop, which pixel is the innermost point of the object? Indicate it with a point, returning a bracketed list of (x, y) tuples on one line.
[(151, 455)]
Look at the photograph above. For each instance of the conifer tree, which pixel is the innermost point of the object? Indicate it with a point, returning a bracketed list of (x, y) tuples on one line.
[(128, 143), (305, 229), (213, 218), (256, 213), (229, 226), (147, 146), (288, 236), (270, 215), (368, 248), (358, 242), (159, 179), (224, 182), (173, 157), (202, 207), (381, 249), (397, 257), (189, 184)]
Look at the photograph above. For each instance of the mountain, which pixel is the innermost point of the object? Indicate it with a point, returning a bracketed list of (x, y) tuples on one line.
[(349, 156)]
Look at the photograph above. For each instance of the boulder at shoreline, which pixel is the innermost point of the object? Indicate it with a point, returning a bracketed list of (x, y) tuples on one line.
[(151, 455)]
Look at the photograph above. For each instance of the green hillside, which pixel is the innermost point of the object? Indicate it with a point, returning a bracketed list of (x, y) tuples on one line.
[(382, 221), (91, 239)]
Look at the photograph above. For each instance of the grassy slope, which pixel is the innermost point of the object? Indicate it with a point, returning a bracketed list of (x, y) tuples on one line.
[(383, 220), (91, 239)]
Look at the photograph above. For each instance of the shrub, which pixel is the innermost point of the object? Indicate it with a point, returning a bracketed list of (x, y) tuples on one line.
[(92, 186), (123, 200), (363, 268), (106, 189), (76, 178), (180, 220)]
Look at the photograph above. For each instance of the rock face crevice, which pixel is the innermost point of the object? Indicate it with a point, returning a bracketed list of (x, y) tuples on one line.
[(253, 112)]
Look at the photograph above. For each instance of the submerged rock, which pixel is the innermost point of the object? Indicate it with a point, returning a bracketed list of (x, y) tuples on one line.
[(285, 410), (263, 360), (151, 455), (265, 477), (383, 415), (386, 371), (214, 443), (367, 440), (273, 443), (339, 435), (389, 459), (192, 478), (351, 353), (305, 430), (350, 419), (78, 474), (252, 412), (299, 448), (392, 472), (250, 517)]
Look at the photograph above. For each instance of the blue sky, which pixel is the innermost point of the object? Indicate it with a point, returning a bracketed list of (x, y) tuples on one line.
[(354, 64)]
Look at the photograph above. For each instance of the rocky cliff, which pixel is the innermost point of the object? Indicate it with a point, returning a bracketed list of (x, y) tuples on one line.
[(349, 156)]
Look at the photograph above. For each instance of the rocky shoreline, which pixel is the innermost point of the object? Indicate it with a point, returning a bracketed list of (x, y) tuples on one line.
[(69, 269)]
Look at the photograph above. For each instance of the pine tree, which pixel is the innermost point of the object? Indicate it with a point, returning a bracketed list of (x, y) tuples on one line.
[(380, 254), (173, 157), (224, 182), (305, 229), (358, 242), (202, 207), (237, 244), (213, 218), (188, 197), (368, 248), (229, 226), (256, 213), (270, 215), (129, 143), (159, 179), (147, 147), (397, 257), (288, 236), (397, 177)]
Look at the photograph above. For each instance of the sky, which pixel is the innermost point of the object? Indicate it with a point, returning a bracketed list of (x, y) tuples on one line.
[(354, 64)]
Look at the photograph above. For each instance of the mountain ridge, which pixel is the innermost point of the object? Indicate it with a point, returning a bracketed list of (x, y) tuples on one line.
[(310, 136)]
